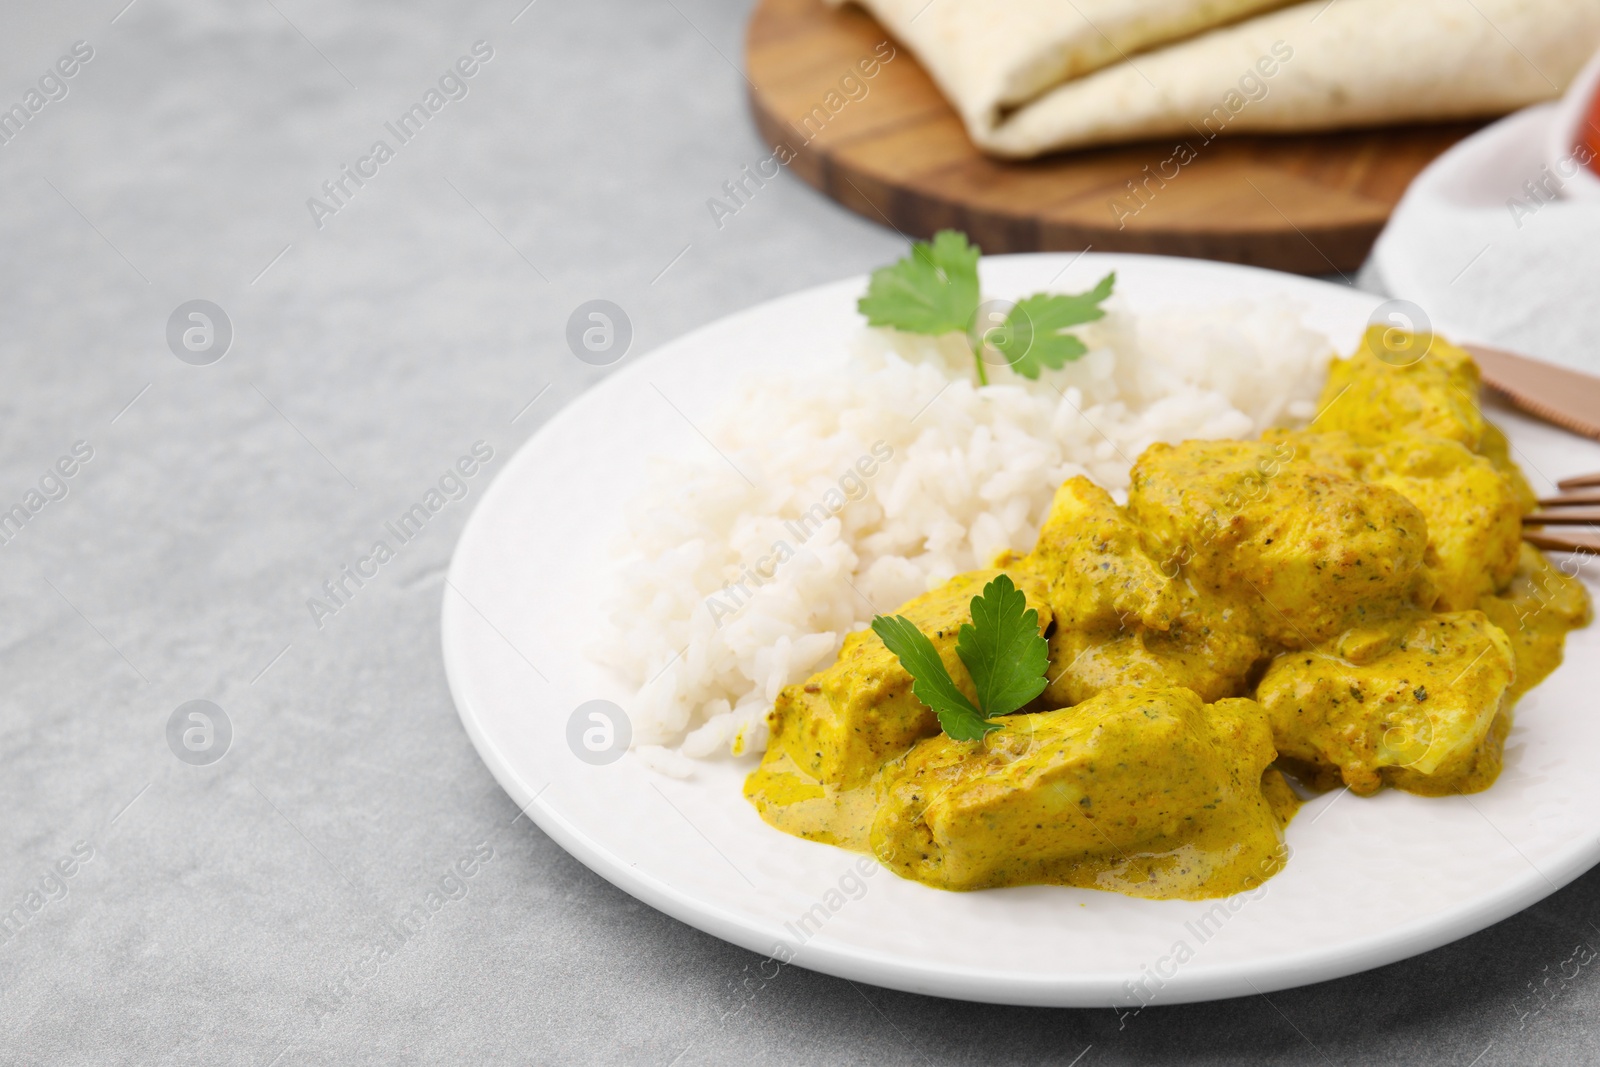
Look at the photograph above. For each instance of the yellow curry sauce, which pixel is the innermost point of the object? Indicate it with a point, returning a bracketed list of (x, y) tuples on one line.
[(1351, 603)]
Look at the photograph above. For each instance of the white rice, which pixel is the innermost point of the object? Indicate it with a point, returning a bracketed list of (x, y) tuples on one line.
[(710, 639)]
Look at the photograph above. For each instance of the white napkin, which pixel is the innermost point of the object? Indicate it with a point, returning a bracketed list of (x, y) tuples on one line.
[(1482, 243)]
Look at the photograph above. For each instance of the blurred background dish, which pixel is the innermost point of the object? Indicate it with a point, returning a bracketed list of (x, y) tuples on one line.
[(1574, 132)]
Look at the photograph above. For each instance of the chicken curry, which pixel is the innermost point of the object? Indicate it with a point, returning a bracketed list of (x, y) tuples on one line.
[(1348, 603)]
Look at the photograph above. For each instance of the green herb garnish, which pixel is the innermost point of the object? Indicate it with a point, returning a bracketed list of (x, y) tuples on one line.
[(1001, 648), (1033, 337), (930, 681), (935, 291)]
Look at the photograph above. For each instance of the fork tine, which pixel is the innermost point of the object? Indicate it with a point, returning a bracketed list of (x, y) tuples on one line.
[(1562, 518), (1563, 542), (1569, 500), (1582, 481)]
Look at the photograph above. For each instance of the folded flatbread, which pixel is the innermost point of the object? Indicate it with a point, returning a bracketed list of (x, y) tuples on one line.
[(1034, 76)]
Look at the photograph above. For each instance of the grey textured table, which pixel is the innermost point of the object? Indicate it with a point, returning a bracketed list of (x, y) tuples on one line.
[(171, 911)]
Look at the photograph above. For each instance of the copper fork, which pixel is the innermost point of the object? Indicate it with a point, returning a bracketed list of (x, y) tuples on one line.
[(1574, 506)]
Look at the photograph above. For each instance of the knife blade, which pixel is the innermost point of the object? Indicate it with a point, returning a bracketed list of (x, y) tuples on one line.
[(1568, 398)]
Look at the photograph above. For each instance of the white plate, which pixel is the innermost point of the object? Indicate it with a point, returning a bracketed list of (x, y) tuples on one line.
[(1371, 880)]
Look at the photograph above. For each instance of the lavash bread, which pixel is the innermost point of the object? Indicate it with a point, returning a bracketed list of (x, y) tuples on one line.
[(1027, 76)]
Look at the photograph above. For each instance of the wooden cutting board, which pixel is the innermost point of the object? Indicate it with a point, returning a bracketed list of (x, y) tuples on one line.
[(889, 147)]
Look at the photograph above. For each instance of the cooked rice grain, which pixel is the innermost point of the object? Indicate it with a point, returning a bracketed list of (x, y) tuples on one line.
[(877, 481)]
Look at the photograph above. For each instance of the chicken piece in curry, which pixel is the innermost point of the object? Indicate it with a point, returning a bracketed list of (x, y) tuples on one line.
[(1348, 603)]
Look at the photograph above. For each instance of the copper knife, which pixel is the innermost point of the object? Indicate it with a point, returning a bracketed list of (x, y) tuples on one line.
[(1568, 398)]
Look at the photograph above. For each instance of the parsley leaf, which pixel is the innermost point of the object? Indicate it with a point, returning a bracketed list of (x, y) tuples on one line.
[(1032, 339), (934, 290), (930, 681), (1001, 648)]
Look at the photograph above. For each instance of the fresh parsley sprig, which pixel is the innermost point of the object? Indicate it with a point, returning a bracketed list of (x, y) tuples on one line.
[(935, 291), (1001, 647)]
